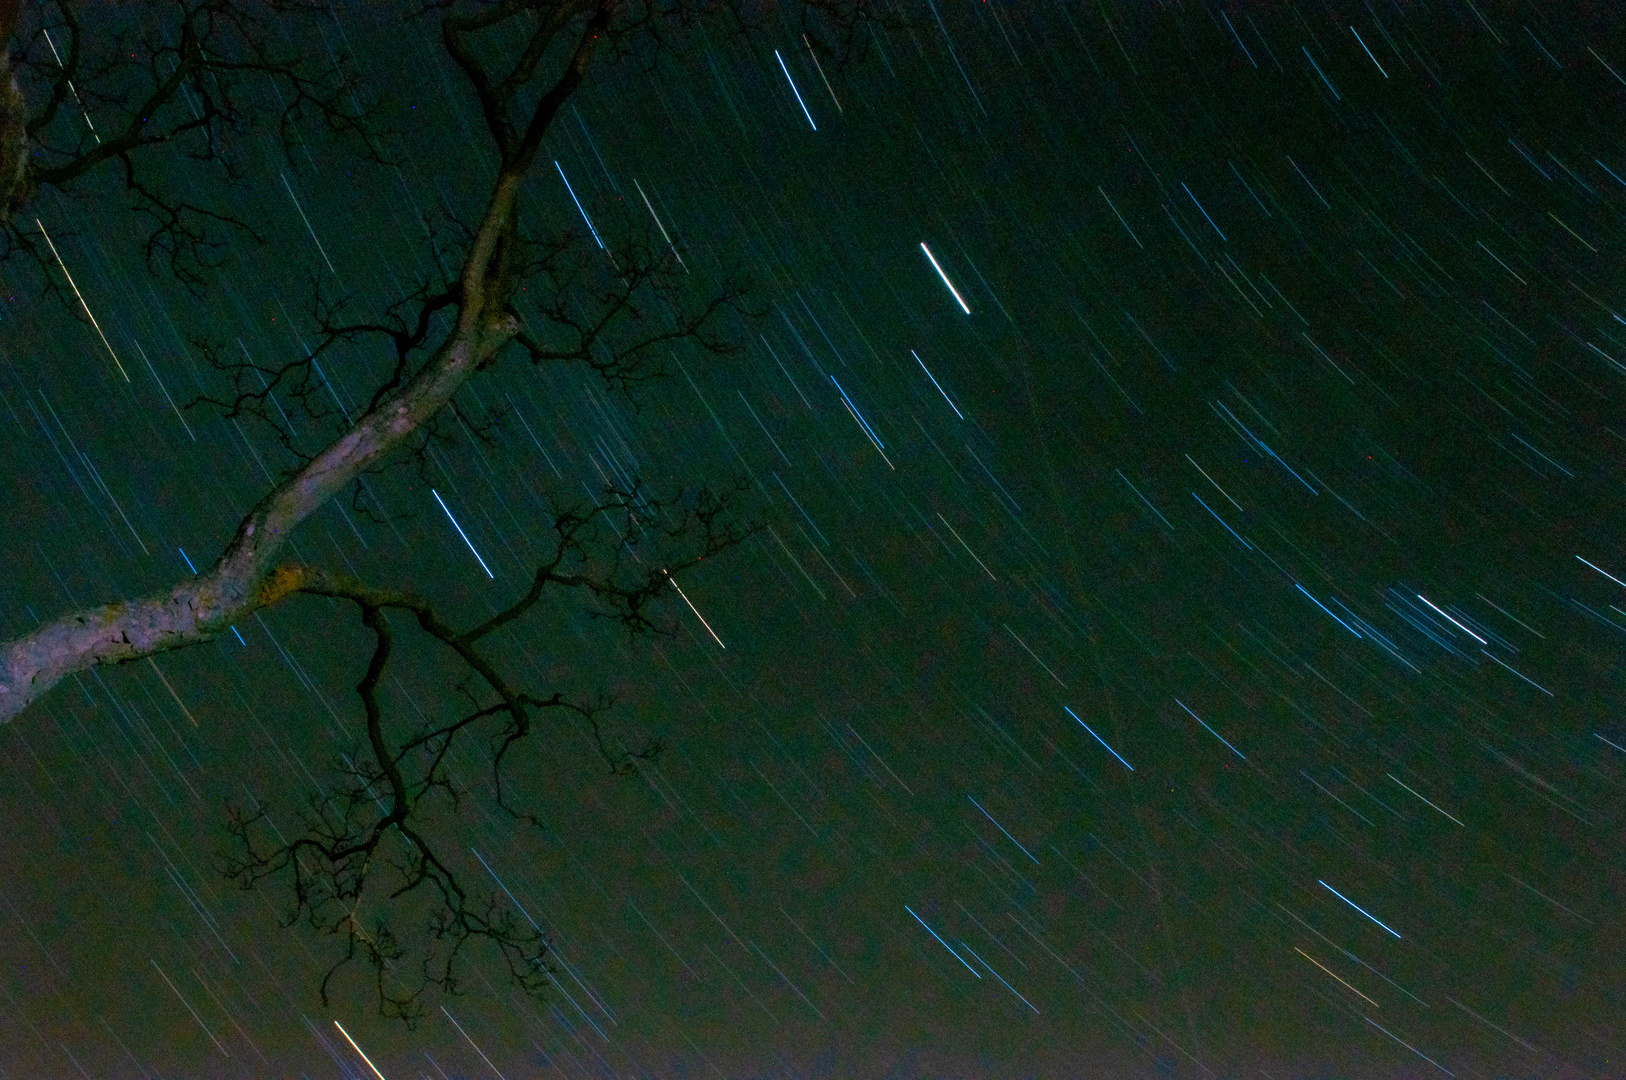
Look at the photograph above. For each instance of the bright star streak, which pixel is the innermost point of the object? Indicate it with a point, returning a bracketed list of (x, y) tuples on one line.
[(1392, 777), (941, 942), (937, 384), (308, 227), (1353, 904), (98, 325), (1464, 629), (820, 69), (1374, 59), (1605, 573), (795, 91), (1328, 610), (358, 1050), (1210, 730), (1205, 212), (1323, 967), (578, 203), (461, 533), (946, 281), (1121, 220), (877, 439), (659, 226), (74, 89), (694, 609), (1007, 833), (1099, 739), (1221, 520)]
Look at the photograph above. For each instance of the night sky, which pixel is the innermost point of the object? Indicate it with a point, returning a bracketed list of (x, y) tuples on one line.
[(1184, 633)]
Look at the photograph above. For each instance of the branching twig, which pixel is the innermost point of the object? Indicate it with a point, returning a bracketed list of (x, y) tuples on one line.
[(381, 811), (185, 81)]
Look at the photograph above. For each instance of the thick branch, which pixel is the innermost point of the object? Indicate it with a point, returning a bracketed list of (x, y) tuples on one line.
[(343, 856), (239, 582), (242, 579)]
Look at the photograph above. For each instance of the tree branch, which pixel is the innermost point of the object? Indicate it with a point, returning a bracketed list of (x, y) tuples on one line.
[(390, 790)]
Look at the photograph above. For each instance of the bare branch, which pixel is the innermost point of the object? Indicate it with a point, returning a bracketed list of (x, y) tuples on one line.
[(387, 793), (368, 861), (191, 87)]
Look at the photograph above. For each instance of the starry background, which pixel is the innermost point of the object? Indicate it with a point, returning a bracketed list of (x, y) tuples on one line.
[(1201, 660)]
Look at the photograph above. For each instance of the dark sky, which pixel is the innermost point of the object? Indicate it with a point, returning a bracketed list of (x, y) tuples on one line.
[(1199, 658)]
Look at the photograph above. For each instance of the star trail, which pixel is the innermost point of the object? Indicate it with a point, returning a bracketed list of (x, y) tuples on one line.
[(1157, 469)]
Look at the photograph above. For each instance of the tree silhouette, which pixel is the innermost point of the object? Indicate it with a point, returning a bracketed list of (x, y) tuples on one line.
[(186, 79)]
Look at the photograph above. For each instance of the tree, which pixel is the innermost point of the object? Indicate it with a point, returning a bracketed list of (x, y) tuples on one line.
[(189, 85)]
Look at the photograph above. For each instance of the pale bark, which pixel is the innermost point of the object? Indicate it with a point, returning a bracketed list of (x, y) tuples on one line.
[(245, 577)]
